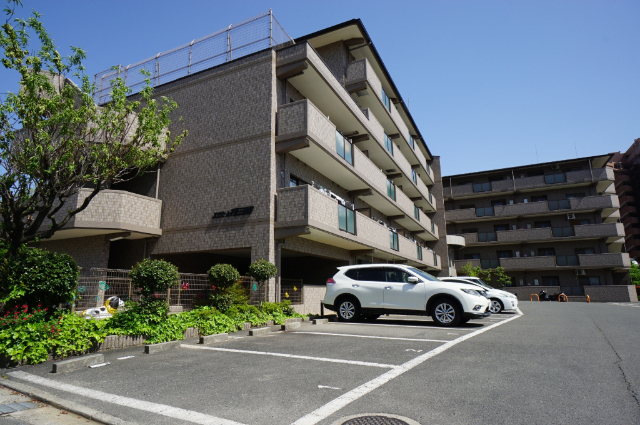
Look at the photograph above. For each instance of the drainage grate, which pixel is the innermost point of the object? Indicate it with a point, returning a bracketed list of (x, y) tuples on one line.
[(374, 420), (14, 407)]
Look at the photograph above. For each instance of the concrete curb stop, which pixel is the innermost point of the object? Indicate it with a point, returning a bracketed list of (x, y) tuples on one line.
[(163, 346), (77, 363), (290, 326), (66, 405), (208, 339), (259, 331), (320, 321)]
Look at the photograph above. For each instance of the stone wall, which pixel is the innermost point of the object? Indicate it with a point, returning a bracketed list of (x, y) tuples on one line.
[(612, 293), (91, 251), (312, 296)]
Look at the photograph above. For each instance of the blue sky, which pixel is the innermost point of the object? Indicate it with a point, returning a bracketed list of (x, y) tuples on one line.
[(489, 82)]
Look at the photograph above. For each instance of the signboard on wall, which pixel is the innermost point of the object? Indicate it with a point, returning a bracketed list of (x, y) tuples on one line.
[(234, 212)]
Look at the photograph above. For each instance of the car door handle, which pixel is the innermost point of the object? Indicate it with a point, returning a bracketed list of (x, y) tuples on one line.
[(388, 287), (355, 285)]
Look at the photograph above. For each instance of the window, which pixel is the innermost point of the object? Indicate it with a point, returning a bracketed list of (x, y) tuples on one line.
[(559, 205), (396, 275), (498, 202), (471, 256), (500, 227), (550, 281), (589, 280), (393, 239), (583, 251), (554, 178), (371, 274), (496, 178), (416, 212), (505, 254), (535, 173), (489, 264), (414, 176), (386, 100), (352, 274), (487, 237), (538, 198), (295, 181), (433, 228), (346, 219), (467, 206), (546, 251), (344, 147), (567, 260), (470, 230), (388, 143), (541, 224), (484, 212), (482, 187), (585, 221), (575, 195), (391, 190), (419, 252), (562, 232), (411, 142)]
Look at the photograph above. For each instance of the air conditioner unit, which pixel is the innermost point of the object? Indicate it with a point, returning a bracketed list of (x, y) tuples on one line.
[(571, 216), (580, 272)]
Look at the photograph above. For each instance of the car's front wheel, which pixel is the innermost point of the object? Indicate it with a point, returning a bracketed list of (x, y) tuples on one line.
[(446, 313), (496, 306), (348, 310)]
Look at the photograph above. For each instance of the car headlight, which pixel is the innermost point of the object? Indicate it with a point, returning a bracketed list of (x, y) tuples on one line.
[(470, 292)]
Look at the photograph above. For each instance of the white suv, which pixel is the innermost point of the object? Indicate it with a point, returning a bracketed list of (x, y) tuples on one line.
[(374, 289), (500, 300)]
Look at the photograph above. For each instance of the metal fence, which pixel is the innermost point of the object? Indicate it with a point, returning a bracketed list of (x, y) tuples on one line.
[(97, 285), (292, 290), (237, 40)]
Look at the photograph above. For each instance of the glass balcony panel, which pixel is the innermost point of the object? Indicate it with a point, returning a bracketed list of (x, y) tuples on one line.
[(348, 152), (340, 144), (567, 231), (477, 187), (342, 218), (557, 232), (351, 221)]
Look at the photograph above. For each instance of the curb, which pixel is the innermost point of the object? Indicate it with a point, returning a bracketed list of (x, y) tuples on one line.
[(69, 406)]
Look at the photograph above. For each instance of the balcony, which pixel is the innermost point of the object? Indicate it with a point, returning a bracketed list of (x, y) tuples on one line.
[(305, 212), (610, 231), (603, 177), (304, 132), (363, 83), (127, 214), (617, 261), (301, 65), (608, 204)]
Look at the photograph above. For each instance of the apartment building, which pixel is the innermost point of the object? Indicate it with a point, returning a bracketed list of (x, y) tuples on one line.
[(302, 152), (551, 224), (627, 172)]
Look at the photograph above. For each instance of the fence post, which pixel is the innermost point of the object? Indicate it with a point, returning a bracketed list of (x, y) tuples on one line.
[(157, 72), (229, 55), (270, 28), (190, 50)]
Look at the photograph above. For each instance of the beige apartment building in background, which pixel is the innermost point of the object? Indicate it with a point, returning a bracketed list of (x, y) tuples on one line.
[(553, 224), (303, 153)]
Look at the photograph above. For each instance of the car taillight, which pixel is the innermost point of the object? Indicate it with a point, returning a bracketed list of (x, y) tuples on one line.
[(330, 281)]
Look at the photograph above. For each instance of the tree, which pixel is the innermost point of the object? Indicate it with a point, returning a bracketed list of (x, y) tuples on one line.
[(223, 276), (54, 139), (262, 270), (635, 273)]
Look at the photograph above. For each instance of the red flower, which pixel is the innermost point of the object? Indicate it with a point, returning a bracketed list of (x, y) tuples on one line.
[(213, 287), (155, 295)]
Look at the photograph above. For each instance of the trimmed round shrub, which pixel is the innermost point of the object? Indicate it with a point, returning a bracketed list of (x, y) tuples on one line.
[(223, 276), (262, 270), (34, 276), (153, 276)]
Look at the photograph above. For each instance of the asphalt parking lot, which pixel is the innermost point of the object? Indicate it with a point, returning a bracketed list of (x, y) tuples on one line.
[(556, 363)]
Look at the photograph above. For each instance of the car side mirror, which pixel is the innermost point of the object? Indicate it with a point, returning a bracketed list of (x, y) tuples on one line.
[(413, 279)]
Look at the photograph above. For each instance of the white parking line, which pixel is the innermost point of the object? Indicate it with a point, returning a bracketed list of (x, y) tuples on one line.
[(340, 402), (293, 356), (375, 337), (401, 326), (147, 406), (627, 305)]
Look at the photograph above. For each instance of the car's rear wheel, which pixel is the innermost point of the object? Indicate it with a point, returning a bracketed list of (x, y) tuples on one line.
[(370, 317), (348, 310), (496, 306), (445, 312)]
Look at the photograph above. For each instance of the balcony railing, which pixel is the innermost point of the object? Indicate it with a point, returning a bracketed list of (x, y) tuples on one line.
[(530, 183), (115, 210), (612, 231), (602, 202), (331, 223)]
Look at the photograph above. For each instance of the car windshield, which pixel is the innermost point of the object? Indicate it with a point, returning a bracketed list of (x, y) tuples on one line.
[(422, 274)]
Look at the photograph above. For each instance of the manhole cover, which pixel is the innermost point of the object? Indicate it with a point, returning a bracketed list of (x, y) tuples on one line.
[(375, 420)]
